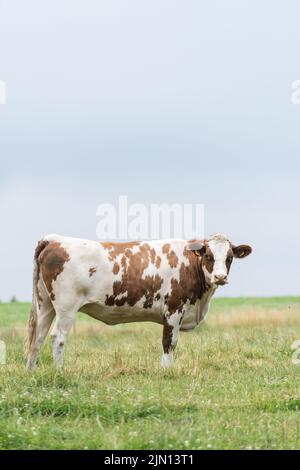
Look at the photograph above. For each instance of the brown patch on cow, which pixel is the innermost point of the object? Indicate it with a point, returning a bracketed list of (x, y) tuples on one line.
[(52, 260), (208, 260), (152, 255), (116, 249), (116, 268), (167, 337), (158, 262), (166, 248), (132, 287), (191, 285), (173, 259), (124, 262), (171, 255), (152, 284), (92, 271), (229, 259)]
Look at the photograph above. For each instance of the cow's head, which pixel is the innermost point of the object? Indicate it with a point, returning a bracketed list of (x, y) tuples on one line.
[(216, 255)]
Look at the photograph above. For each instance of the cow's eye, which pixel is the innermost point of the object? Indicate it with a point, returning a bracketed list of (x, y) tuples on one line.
[(208, 258), (229, 260)]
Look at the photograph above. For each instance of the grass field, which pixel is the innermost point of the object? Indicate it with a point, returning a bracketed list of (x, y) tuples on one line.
[(233, 386)]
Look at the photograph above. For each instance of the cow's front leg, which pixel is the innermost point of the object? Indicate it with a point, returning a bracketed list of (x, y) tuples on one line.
[(170, 337)]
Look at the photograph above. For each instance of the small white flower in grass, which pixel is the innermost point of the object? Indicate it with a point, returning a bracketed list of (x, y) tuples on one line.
[(296, 355)]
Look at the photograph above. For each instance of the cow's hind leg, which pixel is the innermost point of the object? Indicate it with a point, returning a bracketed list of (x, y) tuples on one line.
[(45, 315), (65, 320), (170, 337)]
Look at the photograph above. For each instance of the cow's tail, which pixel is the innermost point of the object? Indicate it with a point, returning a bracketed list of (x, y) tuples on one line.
[(32, 322)]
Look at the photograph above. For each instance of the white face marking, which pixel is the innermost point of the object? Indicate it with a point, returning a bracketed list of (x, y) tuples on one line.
[(219, 247)]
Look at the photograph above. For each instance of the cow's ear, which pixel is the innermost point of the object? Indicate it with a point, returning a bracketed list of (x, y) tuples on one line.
[(241, 251), (196, 247)]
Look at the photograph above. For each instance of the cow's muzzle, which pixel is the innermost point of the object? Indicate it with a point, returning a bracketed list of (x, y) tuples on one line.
[(220, 280)]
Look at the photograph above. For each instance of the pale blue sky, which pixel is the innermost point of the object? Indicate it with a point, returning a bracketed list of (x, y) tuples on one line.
[(163, 101)]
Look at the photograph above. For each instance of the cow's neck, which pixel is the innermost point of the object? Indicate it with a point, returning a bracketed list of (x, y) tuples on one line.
[(204, 303), (198, 285), (200, 292)]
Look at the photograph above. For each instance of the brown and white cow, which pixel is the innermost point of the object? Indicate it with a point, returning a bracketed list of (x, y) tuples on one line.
[(170, 282)]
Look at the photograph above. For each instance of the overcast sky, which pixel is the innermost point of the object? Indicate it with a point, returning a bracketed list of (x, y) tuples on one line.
[(162, 101)]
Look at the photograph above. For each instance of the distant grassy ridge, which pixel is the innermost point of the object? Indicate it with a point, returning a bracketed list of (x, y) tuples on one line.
[(263, 302), (16, 313)]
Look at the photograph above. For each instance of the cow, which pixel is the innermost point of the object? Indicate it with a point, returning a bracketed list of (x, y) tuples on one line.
[(170, 282)]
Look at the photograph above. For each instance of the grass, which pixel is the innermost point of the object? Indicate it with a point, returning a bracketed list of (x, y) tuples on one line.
[(233, 387)]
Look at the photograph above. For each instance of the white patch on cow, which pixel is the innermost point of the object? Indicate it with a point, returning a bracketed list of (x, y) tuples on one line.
[(174, 320)]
